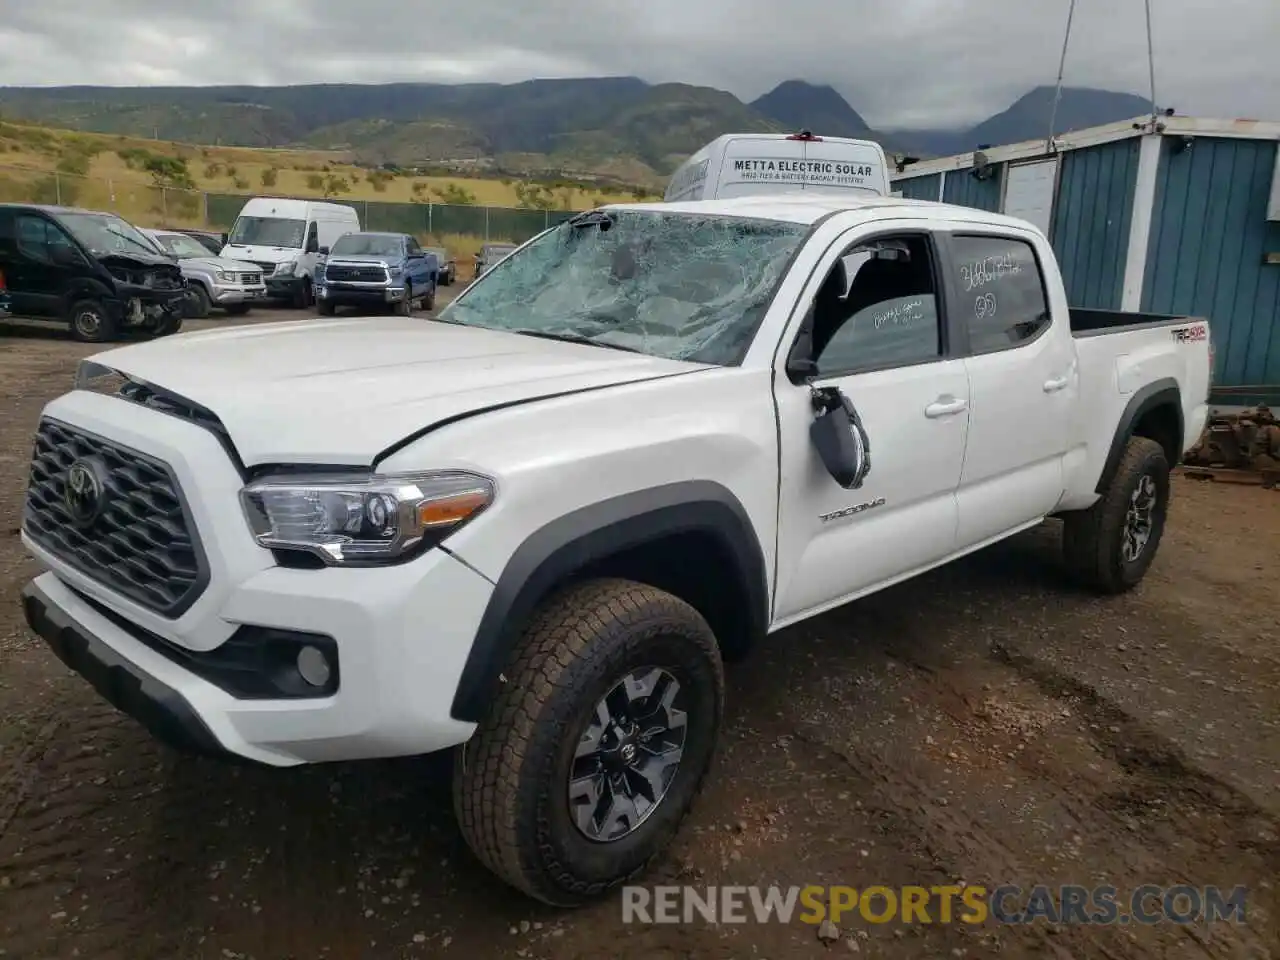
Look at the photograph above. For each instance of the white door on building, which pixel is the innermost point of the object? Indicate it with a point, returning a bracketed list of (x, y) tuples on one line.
[(1029, 192)]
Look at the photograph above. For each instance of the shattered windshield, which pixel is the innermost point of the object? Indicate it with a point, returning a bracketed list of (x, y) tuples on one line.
[(103, 233), (677, 285)]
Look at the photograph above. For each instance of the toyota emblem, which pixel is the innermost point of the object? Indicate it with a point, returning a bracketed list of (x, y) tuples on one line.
[(84, 493)]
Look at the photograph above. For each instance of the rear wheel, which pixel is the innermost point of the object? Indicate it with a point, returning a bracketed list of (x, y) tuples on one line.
[(1110, 546), (90, 322), (597, 743)]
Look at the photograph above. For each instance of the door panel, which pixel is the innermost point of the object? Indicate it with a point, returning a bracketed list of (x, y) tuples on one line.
[(1023, 385), (34, 281), (904, 515), (880, 331)]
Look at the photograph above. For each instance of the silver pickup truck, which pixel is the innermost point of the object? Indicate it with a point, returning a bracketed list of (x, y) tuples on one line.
[(233, 285)]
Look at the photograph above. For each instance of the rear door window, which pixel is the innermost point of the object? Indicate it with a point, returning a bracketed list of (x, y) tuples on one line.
[(1000, 291)]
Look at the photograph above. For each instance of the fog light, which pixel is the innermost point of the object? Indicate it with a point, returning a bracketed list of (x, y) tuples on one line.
[(313, 666)]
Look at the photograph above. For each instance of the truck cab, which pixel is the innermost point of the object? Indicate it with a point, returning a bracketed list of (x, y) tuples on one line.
[(747, 164)]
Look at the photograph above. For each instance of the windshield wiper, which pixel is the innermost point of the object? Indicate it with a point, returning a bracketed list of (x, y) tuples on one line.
[(593, 218), (574, 338)]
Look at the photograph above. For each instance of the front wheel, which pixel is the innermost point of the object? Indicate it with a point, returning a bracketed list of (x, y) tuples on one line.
[(91, 323), (303, 296), (1110, 546), (198, 302), (596, 745), (429, 298)]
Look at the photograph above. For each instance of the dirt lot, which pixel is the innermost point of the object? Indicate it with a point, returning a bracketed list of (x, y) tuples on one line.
[(983, 724)]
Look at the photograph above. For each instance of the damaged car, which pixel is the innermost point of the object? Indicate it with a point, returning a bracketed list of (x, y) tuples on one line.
[(90, 270)]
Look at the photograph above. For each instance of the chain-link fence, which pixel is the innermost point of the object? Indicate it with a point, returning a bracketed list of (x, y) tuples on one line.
[(153, 206)]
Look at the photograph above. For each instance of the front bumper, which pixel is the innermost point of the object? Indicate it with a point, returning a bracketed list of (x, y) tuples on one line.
[(357, 294), (287, 285), (401, 633), (225, 294)]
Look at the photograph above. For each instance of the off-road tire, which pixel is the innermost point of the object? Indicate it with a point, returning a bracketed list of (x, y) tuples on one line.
[(510, 780), (325, 308), (199, 304), (1092, 539), (107, 329), (405, 307)]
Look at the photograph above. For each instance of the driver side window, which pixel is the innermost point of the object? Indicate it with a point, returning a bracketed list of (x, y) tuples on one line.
[(878, 308), (313, 238)]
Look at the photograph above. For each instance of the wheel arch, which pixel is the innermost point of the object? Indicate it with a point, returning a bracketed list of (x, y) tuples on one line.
[(719, 569), (1154, 412)]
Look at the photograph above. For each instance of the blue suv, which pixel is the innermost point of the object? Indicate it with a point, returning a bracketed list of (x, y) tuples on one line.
[(388, 271)]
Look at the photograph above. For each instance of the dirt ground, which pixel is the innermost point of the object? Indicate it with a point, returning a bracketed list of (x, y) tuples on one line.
[(983, 724)]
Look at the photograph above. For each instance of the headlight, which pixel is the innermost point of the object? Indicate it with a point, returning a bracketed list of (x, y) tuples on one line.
[(222, 275), (361, 520)]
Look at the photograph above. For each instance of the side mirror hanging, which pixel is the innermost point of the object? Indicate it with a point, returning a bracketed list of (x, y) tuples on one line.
[(840, 438)]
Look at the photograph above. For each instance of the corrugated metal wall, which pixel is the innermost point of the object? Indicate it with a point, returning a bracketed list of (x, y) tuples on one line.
[(919, 188), (1209, 234), (966, 190), (1091, 218)]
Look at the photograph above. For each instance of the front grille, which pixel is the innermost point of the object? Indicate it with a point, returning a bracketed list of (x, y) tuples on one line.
[(252, 279), (140, 542), (359, 274), (267, 268)]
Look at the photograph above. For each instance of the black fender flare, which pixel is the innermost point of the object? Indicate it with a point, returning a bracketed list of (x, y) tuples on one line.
[(592, 533), (1159, 393)]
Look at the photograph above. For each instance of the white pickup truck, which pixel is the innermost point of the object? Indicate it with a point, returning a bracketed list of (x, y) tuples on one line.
[(534, 526)]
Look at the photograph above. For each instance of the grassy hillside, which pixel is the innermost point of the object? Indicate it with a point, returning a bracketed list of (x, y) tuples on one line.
[(90, 163)]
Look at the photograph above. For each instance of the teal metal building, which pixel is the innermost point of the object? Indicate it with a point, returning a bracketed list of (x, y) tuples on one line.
[(1176, 216)]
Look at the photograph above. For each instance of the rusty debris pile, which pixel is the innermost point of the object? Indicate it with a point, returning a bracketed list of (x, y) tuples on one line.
[(1244, 441)]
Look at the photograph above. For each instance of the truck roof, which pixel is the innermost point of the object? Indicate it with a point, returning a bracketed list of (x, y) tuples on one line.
[(808, 208)]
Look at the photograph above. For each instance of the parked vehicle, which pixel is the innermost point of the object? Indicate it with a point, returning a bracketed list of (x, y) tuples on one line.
[(377, 270), (491, 254), (747, 164), (233, 285), (211, 241), (284, 238), (448, 265), (534, 528), (90, 270)]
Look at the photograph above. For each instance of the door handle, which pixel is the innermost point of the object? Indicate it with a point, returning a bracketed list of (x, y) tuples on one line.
[(1056, 384), (945, 407)]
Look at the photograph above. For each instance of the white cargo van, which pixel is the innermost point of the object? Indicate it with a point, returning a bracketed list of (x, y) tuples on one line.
[(742, 164), (285, 238)]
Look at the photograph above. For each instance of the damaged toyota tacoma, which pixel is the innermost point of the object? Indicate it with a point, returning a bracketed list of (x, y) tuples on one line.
[(534, 527), (90, 270)]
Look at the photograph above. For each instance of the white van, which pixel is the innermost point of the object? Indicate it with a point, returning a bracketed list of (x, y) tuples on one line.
[(741, 164), (285, 238)]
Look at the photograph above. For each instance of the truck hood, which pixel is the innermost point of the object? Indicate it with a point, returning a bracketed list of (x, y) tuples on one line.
[(220, 263), (342, 391)]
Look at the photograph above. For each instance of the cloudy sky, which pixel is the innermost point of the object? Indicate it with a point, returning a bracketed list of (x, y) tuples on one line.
[(901, 63)]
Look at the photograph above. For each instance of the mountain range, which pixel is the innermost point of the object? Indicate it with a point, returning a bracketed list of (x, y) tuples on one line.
[(611, 128)]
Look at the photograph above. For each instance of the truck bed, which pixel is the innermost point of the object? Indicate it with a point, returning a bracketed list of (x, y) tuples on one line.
[(1091, 323)]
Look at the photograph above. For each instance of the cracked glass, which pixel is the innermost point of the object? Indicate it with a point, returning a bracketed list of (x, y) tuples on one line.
[(676, 285)]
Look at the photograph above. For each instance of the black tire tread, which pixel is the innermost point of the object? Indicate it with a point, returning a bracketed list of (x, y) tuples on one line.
[(1087, 542), (487, 783)]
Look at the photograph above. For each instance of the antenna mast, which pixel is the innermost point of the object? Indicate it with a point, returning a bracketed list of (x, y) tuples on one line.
[(1151, 65), (1062, 64)]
